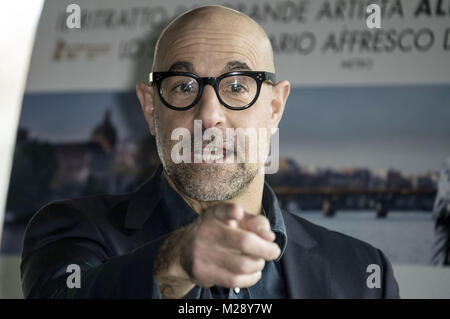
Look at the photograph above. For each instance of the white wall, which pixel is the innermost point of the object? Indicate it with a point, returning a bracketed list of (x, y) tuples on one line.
[(17, 29)]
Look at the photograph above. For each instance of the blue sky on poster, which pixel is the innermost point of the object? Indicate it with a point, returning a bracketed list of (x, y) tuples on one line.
[(401, 127)]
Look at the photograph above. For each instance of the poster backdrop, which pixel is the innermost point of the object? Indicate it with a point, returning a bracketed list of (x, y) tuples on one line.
[(365, 131), (321, 42)]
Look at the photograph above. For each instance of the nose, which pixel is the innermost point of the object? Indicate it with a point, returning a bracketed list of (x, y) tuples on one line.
[(209, 109)]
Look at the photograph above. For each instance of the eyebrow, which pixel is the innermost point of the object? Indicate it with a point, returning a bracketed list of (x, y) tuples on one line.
[(182, 66), (236, 65)]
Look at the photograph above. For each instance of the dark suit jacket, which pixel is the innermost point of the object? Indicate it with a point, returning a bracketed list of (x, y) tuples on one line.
[(104, 235)]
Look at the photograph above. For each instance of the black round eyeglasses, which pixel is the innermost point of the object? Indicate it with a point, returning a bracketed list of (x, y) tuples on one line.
[(236, 90)]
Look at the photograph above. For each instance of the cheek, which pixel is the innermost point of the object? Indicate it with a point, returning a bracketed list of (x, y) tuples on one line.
[(255, 117), (260, 113), (167, 120)]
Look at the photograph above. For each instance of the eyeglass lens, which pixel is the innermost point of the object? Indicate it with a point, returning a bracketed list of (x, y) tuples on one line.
[(235, 91)]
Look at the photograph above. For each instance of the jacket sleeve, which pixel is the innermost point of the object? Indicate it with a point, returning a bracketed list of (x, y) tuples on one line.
[(390, 287), (60, 235)]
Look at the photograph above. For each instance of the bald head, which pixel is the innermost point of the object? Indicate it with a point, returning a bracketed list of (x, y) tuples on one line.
[(228, 30)]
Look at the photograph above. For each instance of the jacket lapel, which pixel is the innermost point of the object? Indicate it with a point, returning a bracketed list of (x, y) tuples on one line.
[(306, 271)]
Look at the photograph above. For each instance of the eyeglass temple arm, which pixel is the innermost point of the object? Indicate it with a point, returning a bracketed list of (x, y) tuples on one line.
[(271, 77)]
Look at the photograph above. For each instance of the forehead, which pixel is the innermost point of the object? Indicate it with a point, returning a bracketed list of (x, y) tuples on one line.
[(211, 50)]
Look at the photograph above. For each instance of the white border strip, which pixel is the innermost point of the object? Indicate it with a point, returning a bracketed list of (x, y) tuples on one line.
[(17, 28)]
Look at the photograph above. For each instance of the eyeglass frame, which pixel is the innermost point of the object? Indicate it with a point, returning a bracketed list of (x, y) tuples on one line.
[(259, 76)]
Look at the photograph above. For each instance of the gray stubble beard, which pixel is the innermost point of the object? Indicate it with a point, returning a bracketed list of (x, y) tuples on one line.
[(204, 184)]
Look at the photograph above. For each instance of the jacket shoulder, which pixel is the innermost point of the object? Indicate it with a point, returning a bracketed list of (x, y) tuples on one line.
[(77, 217), (85, 207)]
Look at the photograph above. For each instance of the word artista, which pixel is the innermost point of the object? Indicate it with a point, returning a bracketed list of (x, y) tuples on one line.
[(226, 146)]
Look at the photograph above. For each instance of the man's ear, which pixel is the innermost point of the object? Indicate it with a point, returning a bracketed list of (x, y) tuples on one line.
[(280, 94), (145, 96)]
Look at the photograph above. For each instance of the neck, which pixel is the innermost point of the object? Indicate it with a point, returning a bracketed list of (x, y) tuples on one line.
[(250, 198)]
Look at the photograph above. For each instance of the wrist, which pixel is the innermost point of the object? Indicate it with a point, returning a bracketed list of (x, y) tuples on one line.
[(173, 280)]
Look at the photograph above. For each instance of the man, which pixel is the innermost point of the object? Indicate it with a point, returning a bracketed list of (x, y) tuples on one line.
[(210, 228)]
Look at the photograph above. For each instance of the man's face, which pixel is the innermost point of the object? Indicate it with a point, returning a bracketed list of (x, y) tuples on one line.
[(209, 50)]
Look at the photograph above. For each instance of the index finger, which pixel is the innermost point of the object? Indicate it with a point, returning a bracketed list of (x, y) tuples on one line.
[(248, 243)]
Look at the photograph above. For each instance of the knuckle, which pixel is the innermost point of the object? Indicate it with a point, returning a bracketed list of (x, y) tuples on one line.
[(274, 254), (263, 221), (261, 263), (234, 211), (233, 281), (232, 207), (257, 222), (277, 250), (244, 266), (245, 242), (254, 278)]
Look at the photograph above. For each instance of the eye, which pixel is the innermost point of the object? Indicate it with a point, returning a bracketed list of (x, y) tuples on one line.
[(185, 87), (235, 86)]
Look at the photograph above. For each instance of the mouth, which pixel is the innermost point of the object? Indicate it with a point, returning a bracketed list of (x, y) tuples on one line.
[(209, 155)]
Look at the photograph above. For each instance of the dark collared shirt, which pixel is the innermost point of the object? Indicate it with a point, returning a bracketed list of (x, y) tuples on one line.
[(174, 213)]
